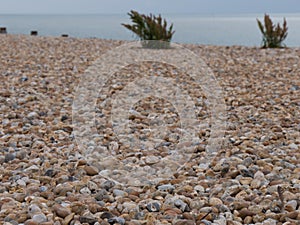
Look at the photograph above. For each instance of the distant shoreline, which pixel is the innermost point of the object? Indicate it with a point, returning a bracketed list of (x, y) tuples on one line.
[(221, 30), (112, 42)]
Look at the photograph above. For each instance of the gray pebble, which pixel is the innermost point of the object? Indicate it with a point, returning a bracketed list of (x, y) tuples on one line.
[(9, 157), (166, 187), (21, 154), (50, 172), (106, 215), (293, 146), (9, 220), (292, 204), (182, 205), (118, 220), (43, 188), (153, 207), (100, 195), (85, 190), (206, 222), (248, 161), (32, 115), (39, 218), (88, 219), (108, 184), (246, 173), (120, 193)]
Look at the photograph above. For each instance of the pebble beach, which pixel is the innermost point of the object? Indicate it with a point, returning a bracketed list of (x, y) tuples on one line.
[(46, 179)]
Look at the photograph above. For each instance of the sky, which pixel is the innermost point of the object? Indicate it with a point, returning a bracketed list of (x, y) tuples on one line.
[(146, 6)]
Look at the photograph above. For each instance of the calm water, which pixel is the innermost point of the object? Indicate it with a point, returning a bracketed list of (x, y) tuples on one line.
[(213, 29)]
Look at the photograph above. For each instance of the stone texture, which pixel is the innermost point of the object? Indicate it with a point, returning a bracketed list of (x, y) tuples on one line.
[(47, 179)]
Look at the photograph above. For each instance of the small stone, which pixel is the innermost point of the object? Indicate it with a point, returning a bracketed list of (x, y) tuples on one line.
[(166, 187), (43, 188), (22, 218), (61, 211), (270, 222), (248, 220), (293, 146), (2, 189), (245, 212), (292, 215), (91, 170), (181, 205), (185, 222), (21, 154), (259, 175), (246, 173), (119, 193), (33, 209), (39, 218), (63, 189), (68, 219), (204, 222), (118, 220), (9, 157), (87, 219), (106, 215), (291, 205), (245, 180), (108, 184), (9, 221), (78, 208), (92, 186), (32, 115), (85, 191), (220, 221), (256, 183), (104, 223), (32, 169), (31, 222), (129, 207), (199, 188), (215, 201), (153, 207), (21, 182), (63, 118), (188, 216), (50, 172), (150, 160), (248, 161)]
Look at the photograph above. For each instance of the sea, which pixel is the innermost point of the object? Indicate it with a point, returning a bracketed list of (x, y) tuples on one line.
[(227, 29)]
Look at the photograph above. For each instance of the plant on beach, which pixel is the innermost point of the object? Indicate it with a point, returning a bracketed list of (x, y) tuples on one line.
[(273, 35), (152, 30)]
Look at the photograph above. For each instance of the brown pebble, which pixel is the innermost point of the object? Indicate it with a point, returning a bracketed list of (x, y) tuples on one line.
[(291, 215), (61, 211), (91, 170), (245, 212), (185, 222), (31, 222), (20, 197), (81, 162), (78, 208), (22, 218), (172, 212), (215, 201), (248, 220), (188, 216), (94, 208), (68, 219), (240, 205), (46, 223)]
